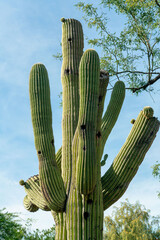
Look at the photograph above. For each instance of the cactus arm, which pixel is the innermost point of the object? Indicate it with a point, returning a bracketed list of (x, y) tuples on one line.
[(72, 50), (103, 83), (112, 112), (59, 158), (29, 205), (125, 165), (89, 92), (51, 181), (33, 191)]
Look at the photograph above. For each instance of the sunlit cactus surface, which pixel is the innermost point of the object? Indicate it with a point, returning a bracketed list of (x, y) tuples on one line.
[(69, 183)]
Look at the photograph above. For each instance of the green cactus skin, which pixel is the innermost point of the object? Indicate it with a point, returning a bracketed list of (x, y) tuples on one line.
[(50, 178), (29, 205), (69, 184), (103, 83), (33, 191), (72, 50), (113, 110), (126, 164), (86, 172)]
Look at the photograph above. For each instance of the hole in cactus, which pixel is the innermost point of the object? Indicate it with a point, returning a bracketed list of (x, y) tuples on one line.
[(89, 201), (66, 71), (52, 141), (83, 126), (100, 98), (86, 215), (98, 134), (151, 133), (84, 148), (39, 152), (70, 39)]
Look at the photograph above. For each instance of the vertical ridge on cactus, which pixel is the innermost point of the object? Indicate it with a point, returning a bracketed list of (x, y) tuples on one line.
[(69, 183)]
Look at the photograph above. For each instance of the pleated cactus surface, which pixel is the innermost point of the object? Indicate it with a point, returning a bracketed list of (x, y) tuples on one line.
[(69, 183)]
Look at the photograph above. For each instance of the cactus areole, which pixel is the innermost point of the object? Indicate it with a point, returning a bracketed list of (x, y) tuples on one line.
[(69, 183)]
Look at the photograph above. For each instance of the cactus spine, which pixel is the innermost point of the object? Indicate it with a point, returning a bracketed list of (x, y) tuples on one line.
[(69, 183)]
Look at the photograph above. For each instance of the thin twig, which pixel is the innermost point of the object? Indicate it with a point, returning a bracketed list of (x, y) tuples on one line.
[(136, 72), (142, 87), (157, 3), (145, 85)]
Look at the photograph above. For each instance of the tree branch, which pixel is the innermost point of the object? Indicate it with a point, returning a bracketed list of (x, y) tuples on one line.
[(156, 1), (135, 89), (136, 72), (145, 85)]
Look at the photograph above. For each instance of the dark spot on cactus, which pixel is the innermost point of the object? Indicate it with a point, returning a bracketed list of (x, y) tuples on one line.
[(27, 186), (86, 215), (83, 126), (151, 133), (119, 187), (100, 98), (39, 152), (66, 71), (98, 134), (89, 201), (70, 39), (84, 148), (52, 141), (130, 168)]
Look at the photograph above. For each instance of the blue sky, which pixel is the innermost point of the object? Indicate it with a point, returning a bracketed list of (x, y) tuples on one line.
[(30, 32)]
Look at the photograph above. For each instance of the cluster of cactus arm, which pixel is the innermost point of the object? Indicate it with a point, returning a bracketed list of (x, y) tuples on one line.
[(85, 131)]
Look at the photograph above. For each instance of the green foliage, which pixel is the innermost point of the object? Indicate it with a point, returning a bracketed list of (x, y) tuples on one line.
[(156, 172), (132, 54), (11, 228), (131, 222)]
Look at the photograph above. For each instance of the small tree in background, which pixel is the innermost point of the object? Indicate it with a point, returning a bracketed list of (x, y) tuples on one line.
[(131, 222), (12, 227)]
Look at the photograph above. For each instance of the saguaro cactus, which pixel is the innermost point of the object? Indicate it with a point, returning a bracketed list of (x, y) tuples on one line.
[(69, 183)]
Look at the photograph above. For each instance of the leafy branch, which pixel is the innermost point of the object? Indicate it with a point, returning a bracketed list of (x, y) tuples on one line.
[(136, 46)]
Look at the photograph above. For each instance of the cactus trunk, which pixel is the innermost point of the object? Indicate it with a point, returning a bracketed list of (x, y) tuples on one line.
[(69, 183)]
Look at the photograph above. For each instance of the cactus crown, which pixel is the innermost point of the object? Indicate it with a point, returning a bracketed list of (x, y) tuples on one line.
[(69, 183)]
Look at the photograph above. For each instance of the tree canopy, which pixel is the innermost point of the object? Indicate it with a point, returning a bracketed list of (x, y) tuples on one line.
[(131, 222), (12, 227), (132, 54)]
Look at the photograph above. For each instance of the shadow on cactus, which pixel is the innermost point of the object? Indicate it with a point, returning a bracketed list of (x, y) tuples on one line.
[(69, 183)]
